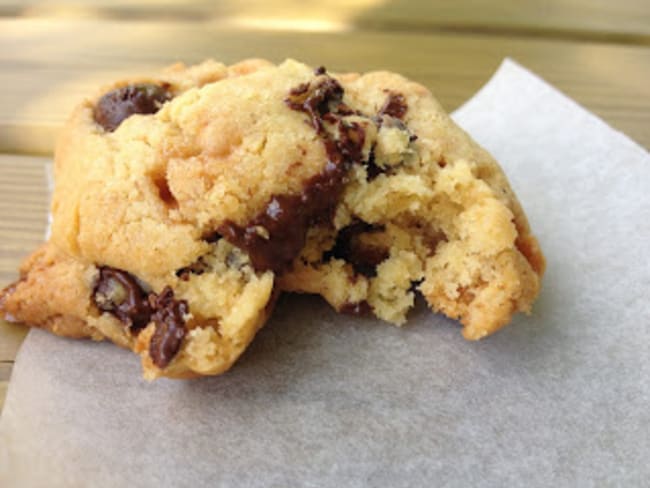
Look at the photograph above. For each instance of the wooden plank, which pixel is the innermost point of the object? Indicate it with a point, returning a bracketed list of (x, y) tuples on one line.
[(12, 336), (623, 21), (24, 204), (23, 218), (46, 66)]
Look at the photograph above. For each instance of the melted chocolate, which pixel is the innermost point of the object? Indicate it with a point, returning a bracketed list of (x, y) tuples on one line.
[(316, 100), (286, 220), (119, 293), (275, 237), (170, 326), (121, 103)]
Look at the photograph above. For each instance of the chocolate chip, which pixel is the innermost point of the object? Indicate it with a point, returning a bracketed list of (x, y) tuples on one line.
[(316, 100), (198, 267), (119, 293), (212, 237), (415, 285), (351, 139), (320, 71), (395, 106), (372, 168), (118, 104), (170, 326)]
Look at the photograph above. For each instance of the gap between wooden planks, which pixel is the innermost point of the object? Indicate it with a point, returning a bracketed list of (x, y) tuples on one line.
[(47, 66)]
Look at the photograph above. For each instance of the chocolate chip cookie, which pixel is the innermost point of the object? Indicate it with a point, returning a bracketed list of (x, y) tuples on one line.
[(184, 203)]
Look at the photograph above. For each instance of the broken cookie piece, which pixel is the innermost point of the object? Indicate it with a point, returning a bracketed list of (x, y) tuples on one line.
[(428, 211), (185, 203)]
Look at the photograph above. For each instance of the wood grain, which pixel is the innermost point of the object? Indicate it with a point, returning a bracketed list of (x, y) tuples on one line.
[(47, 67), (622, 21), (24, 204), (23, 218), (12, 337)]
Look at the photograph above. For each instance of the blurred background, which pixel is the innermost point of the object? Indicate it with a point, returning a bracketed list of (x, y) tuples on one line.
[(54, 52)]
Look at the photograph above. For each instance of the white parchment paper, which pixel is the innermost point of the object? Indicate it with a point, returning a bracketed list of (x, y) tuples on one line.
[(561, 398)]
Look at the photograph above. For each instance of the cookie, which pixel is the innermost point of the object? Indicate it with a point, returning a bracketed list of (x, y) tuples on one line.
[(184, 203), (427, 211)]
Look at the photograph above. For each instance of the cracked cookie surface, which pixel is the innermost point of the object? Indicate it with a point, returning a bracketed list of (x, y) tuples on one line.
[(185, 203)]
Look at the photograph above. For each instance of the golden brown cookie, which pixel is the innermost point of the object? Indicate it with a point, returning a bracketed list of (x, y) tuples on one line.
[(428, 211), (183, 201)]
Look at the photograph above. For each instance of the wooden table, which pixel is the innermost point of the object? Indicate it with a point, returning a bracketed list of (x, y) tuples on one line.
[(53, 53)]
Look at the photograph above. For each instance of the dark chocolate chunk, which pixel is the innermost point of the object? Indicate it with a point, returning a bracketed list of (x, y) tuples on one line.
[(170, 326), (351, 139), (285, 221), (119, 293), (275, 237), (359, 308), (118, 104), (395, 106), (364, 259), (415, 285), (212, 237), (316, 100)]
